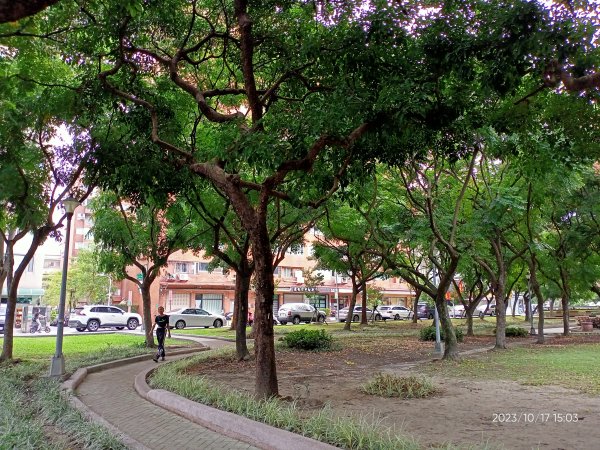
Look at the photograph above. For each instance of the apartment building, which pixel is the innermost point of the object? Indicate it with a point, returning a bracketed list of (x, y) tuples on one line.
[(187, 282)]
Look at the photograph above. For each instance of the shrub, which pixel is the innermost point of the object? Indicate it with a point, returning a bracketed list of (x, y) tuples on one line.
[(515, 332), (387, 385), (428, 334), (308, 340)]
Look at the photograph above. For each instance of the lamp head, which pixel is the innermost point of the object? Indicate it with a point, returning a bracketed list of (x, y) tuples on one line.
[(70, 203)]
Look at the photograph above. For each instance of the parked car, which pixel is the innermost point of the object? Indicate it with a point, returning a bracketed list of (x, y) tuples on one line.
[(194, 317), (456, 311), (484, 310), (425, 311), (395, 312), (299, 312), (357, 313), (93, 317)]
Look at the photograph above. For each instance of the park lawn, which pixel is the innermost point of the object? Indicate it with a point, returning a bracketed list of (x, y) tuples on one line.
[(383, 328), (570, 366), (103, 346)]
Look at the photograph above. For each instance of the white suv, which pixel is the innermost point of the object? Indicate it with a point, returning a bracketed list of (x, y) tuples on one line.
[(93, 317)]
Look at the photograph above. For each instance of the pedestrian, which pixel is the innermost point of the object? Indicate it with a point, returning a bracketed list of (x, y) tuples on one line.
[(36, 321), (161, 322)]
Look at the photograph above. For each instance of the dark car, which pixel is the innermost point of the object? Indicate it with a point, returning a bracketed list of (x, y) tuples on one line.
[(425, 311)]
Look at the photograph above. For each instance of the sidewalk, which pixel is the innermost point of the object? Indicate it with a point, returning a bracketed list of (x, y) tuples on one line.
[(119, 398), (111, 395)]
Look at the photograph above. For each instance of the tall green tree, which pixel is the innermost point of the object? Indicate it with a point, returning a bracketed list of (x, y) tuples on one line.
[(85, 280), (141, 236)]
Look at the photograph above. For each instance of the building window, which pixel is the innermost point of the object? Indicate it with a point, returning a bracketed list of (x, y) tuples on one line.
[(276, 271), (212, 303), (318, 301), (51, 263), (201, 267), (287, 272), (30, 266), (181, 267), (295, 249)]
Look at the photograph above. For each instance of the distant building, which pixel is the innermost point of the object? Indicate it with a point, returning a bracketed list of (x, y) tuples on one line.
[(186, 282)]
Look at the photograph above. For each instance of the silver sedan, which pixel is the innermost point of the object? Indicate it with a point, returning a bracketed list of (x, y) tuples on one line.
[(194, 317)]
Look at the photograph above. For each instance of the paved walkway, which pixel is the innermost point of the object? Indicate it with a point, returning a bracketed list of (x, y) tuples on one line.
[(111, 394)]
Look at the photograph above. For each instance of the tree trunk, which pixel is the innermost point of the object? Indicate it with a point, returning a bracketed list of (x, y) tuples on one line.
[(450, 343), (565, 298), (469, 310), (514, 305), (499, 287), (242, 287), (11, 10), (363, 314), (540, 306), (147, 310), (415, 318), (527, 300), (13, 286), (351, 306), (264, 344)]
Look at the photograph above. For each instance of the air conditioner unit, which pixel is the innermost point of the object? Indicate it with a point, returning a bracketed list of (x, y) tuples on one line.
[(183, 277), (344, 280)]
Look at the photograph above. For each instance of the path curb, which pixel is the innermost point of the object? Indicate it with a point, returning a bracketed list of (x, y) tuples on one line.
[(228, 424), (70, 385)]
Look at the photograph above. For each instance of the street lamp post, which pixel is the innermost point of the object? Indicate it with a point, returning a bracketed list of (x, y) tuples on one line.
[(57, 365), (531, 327)]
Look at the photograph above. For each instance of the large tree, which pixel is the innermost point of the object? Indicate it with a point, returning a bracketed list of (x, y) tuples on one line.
[(268, 100)]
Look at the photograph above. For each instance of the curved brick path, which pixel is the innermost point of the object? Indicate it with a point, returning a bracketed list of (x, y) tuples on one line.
[(110, 394)]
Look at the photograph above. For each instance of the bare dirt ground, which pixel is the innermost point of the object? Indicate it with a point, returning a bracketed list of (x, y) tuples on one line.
[(464, 412)]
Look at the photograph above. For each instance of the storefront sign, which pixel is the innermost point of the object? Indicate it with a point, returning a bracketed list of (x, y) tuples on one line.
[(304, 289)]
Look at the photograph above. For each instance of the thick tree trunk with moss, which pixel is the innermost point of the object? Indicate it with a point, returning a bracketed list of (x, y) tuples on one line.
[(242, 287), (264, 343), (450, 342)]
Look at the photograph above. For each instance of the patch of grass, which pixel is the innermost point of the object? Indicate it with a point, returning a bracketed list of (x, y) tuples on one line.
[(388, 385), (82, 350), (573, 366), (32, 403), (358, 434)]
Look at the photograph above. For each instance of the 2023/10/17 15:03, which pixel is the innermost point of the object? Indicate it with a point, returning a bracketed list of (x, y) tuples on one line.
[(529, 417)]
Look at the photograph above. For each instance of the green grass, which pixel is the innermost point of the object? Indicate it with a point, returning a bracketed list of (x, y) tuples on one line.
[(33, 407), (104, 347), (573, 366)]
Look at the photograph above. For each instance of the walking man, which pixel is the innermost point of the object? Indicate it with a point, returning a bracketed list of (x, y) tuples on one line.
[(161, 323)]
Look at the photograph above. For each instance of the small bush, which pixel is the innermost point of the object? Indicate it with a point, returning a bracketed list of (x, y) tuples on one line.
[(308, 340), (387, 385), (515, 332), (428, 334)]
